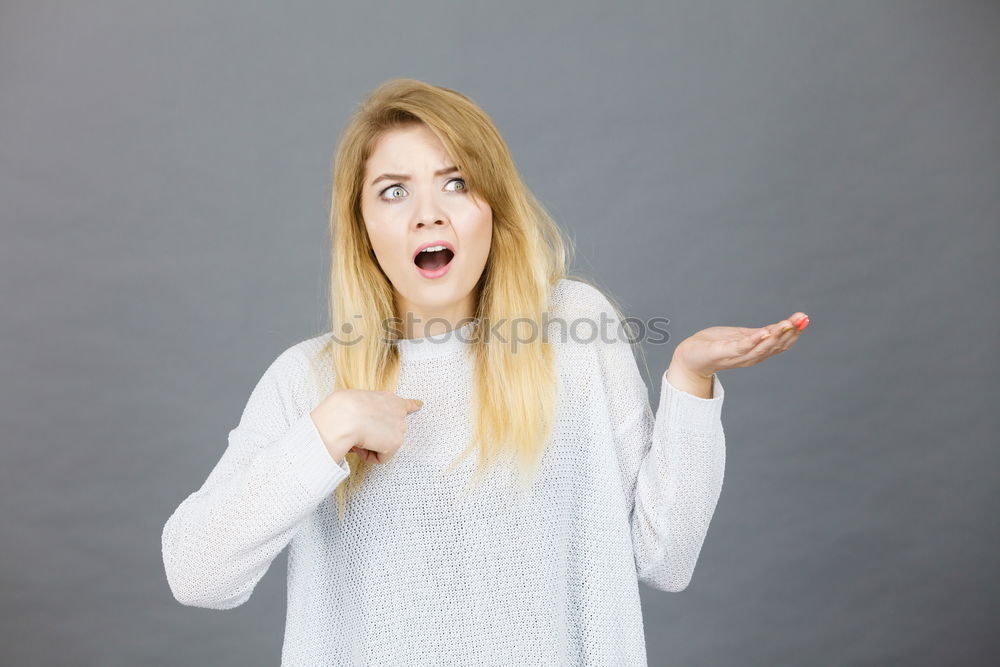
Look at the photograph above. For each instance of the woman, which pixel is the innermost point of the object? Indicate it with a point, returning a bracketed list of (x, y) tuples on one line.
[(456, 331)]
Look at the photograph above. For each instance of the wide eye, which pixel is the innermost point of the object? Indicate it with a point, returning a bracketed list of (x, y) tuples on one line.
[(460, 187), (459, 180), (393, 188)]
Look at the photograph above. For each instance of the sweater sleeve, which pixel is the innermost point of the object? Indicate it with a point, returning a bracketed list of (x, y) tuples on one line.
[(220, 541), (672, 464)]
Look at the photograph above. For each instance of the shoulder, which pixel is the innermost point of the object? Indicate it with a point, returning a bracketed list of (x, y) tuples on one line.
[(572, 298), (301, 370), (581, 312), (311, 349), (316, 354), (294, 359)]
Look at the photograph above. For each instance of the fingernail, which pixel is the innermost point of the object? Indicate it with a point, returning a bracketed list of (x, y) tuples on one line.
[(803, 323), (419, 402)]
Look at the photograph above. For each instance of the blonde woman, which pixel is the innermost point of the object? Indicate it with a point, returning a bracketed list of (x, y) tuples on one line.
[(466, 467)]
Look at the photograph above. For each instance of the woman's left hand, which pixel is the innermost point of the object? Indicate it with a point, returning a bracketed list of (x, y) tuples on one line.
[(718, 348)]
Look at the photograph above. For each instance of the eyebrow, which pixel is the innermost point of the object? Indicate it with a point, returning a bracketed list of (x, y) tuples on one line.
[(405, 177)]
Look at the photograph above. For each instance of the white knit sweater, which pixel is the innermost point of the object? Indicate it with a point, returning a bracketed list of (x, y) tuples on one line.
[(420, 574)]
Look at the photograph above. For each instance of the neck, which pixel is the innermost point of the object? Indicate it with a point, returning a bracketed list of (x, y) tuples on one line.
[(419, 321)]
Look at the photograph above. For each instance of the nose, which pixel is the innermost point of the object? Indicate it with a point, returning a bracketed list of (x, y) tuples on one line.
[(429, 214), (429, 217)]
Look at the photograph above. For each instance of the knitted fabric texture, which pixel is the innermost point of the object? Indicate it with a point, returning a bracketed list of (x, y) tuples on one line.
[(419, 572)]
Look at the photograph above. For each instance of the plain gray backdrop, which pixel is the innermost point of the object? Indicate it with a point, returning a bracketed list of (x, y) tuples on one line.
[(165, 175)]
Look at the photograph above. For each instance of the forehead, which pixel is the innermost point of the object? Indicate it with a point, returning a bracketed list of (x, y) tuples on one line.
[(403, 148)]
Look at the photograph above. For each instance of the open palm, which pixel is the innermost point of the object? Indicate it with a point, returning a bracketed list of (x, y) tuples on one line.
[(721, 347)]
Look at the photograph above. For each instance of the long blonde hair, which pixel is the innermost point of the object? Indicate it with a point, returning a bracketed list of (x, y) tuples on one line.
[(528, 256)]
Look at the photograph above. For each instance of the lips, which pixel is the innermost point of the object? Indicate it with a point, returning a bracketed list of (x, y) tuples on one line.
[(434, 264), (434, 261), (421, 247)]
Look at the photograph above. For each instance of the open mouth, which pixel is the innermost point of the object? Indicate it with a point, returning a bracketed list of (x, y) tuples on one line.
[(432, 260)]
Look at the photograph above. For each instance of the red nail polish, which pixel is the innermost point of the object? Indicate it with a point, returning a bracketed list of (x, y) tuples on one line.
[(803, 323)]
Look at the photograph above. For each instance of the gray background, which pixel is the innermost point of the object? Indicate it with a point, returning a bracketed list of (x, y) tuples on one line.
[(165, 171)]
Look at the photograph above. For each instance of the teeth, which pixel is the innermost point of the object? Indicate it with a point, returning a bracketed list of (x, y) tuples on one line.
[(434, 248)]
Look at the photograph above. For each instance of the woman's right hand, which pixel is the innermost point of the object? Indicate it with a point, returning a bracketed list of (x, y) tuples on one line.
[(370, 423)]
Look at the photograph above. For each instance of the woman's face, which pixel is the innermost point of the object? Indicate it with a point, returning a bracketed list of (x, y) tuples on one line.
[(410, 199)]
